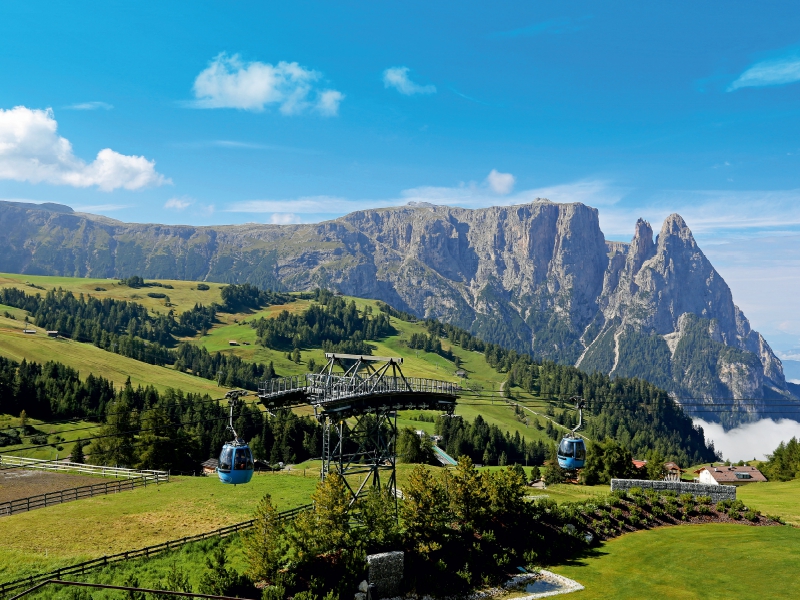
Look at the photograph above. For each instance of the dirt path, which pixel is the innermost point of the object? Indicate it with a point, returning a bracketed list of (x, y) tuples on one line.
[(21, 483)]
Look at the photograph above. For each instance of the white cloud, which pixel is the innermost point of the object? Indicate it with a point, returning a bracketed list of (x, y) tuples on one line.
[(397, 78), (90, 106), (229, 82), (178, 203), (501, 183), (753, 440), (31, 150), (284, 218), (100, 208), (777, 71), (324, 205)]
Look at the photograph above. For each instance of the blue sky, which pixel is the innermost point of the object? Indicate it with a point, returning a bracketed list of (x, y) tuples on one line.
[(209, 113)]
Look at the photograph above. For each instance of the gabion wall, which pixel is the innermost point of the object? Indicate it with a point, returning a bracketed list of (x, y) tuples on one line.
[(386, 573), (717, 492)]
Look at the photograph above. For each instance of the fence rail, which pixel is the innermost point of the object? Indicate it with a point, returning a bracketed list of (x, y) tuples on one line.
[(13, 507), (146, 552), (64, 466)]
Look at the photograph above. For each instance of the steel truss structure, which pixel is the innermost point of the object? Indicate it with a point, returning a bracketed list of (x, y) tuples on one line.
[(356, 399)]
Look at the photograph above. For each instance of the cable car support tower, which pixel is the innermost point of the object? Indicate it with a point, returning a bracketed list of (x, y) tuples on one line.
[(356, 398)]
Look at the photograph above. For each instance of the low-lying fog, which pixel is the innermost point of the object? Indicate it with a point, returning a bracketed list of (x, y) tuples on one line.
[(754, 440)]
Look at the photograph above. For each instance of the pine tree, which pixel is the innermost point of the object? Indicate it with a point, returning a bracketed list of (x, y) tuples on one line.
[(263, 545), (77, 452)]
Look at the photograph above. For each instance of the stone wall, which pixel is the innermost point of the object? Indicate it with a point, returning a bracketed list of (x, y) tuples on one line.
[(717, 492)]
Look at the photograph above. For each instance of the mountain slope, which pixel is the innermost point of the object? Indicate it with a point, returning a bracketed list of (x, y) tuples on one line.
[(538, 277)]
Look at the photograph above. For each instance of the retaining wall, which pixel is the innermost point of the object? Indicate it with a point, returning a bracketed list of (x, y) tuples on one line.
[(717, 492)]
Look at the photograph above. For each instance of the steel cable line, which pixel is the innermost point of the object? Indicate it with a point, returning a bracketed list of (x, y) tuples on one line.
[(131, 432), (121, 412), (768, 408)]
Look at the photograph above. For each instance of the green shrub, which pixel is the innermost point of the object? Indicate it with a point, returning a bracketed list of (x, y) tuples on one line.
[(704, 509), (705, 500), (751, 515), (99, 289), (738, 505), (640, 501), (687, 498), (671, 508), (156, 295), (657, 512), (635, 492), (202, 287), (724, 505), (616, 513), (777, 519), (733, 513)]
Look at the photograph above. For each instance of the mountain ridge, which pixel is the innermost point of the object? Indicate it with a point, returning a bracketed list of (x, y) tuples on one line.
[(538, 277)]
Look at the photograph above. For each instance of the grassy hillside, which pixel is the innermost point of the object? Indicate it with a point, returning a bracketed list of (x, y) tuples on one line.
[(38, 541), (60, 435), (88, 359), (696, 561), (183, 295), (237, 326)]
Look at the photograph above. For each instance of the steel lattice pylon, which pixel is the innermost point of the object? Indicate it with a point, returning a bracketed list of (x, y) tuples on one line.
[(357, 406)]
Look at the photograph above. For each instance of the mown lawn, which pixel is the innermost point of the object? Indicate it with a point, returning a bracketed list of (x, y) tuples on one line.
[(692, 561), (50, 537), (774, 498)]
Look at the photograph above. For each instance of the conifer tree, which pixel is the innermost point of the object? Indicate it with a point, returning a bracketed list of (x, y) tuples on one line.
[(263, 544), (77, 452)]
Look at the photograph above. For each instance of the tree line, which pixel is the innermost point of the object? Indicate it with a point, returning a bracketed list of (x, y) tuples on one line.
[(638, 414), (332, 324), (128, 329), (145, 428)]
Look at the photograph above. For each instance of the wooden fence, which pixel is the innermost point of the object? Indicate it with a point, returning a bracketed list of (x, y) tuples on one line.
[(146, 552), (64, 466), (86, 491)]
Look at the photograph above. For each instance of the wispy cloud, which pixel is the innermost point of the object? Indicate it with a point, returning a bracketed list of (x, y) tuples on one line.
[(284, 219), (31, 150), (240, 145), (397, 78), (95, 105), (100, 208), (230, 82), (181, 203), (552, 26), (777, 71)]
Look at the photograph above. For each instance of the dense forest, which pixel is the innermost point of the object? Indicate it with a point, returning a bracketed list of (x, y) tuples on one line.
[(142, 427), (486, 444), (332, 324), (635, 412)]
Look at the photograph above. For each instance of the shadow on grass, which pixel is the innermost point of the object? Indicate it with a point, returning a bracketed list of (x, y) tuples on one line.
[(579, 560)]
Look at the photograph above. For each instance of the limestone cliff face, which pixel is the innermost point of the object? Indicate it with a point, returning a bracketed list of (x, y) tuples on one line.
[(539, 277)]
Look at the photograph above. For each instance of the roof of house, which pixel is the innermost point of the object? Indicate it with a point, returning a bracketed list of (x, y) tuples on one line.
[(671, 466), (723, 474), (639, 463), (211, 463)]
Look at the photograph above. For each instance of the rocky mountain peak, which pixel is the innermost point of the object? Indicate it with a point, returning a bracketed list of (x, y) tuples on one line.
[(538, 277)]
